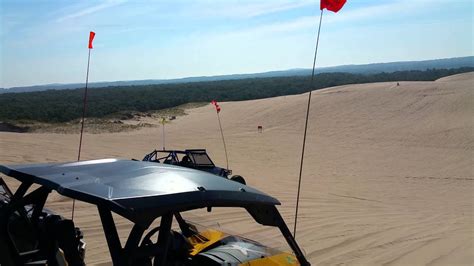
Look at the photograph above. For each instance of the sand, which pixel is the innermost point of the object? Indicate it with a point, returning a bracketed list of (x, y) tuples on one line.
[(388, 175)]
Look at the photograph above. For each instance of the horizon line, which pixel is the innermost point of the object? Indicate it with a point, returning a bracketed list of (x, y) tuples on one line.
[(232, 74)]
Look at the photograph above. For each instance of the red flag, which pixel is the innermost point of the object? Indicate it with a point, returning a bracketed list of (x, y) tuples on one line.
[(218, 108), (91, 38), (332, 5)]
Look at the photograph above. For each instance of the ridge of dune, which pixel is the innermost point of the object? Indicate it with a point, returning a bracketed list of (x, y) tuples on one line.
[(458, 77), (388, 174)]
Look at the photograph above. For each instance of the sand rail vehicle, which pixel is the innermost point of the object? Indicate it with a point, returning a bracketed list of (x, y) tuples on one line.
[(191, 158), (142, 193)]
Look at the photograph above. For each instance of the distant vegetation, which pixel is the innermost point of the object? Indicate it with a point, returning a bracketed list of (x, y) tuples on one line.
[(66, 105)]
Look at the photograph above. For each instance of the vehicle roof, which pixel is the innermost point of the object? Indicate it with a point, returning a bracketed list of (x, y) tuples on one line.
[(139, 190)]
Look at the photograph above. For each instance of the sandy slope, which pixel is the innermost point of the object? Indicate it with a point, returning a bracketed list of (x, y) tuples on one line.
[(388, 176)]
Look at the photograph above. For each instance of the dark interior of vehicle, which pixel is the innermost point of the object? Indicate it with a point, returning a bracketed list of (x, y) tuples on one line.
[(30, 235)]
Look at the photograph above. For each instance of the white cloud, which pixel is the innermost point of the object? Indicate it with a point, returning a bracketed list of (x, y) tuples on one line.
[(401, 7), (243, 9), (389, 9), (90, 10)]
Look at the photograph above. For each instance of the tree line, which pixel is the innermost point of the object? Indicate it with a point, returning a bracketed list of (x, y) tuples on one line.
[(66, 105)]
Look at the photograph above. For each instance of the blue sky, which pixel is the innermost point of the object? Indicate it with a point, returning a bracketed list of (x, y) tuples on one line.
[(45, 41)]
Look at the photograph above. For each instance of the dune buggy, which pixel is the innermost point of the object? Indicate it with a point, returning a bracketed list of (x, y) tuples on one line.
[(141, 192), (191, 158)]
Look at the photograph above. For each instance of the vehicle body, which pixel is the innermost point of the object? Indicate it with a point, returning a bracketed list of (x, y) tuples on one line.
[(191, 158), (143, 192)]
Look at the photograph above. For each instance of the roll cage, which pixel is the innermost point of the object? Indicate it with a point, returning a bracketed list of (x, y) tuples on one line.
[(190, 158), (197, 157)]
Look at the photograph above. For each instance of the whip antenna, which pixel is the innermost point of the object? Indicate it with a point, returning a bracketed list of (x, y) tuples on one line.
[(84, 105), (335, 6), (163, 121), (306, 125), (218, 110)]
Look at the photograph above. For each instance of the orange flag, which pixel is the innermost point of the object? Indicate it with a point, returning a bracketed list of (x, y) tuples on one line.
[(91, 38), (218, 108)]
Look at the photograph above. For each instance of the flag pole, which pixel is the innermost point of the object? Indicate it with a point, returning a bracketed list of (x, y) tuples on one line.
[(163, 124), (223, 141), (306, 123), (84, 105)]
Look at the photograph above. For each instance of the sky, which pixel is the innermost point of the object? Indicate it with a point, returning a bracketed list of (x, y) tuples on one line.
[(45, 41)]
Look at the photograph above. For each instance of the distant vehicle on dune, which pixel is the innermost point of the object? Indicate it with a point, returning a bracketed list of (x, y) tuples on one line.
[(191, 158)]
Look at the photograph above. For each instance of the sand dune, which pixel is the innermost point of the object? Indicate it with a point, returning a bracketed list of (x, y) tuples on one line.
[(388, 175)]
